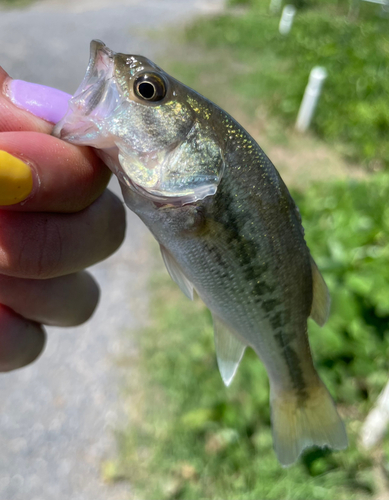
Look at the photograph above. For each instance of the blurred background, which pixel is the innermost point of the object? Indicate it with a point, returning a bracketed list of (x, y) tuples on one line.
[(131, 405)]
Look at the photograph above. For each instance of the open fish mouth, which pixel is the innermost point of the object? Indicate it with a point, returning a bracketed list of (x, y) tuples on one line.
[(97, 98)]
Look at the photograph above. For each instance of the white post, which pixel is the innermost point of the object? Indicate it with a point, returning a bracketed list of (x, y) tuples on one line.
[(376, 423), (286, 20), (380, 2), (311, 96), (275, 6)]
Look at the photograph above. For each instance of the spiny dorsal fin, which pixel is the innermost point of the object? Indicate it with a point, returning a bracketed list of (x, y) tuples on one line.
[(176, 274), (321, 300), (229, 350)]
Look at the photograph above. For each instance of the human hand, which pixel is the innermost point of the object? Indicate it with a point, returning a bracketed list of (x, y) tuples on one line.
[(56, 219)]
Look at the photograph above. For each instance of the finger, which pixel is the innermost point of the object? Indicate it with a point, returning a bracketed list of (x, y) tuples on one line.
[(64, 301), (44, 102), (39, 172), (39, 246), (21, 341), (19, 101), (68, 184)]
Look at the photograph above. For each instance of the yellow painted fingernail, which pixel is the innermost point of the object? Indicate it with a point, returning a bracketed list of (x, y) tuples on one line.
[(15, 179)]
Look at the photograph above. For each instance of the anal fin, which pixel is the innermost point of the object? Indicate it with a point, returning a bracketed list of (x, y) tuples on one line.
[(321, 300), (229, 350), (176, 273)]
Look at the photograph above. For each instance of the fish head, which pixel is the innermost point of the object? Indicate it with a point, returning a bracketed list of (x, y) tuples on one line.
[(156, 134)]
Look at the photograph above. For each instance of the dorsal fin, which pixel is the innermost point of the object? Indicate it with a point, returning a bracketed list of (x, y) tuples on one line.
[(176, 274), (229, 350), (321, 300)]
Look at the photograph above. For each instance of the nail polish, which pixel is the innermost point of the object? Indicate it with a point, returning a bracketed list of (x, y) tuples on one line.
[(43, 102), (15, 179)]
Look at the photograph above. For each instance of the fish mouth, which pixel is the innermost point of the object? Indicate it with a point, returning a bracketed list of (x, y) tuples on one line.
[(95, 100)]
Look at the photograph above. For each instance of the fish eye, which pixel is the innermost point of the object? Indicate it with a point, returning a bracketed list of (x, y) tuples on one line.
[(150, 87)]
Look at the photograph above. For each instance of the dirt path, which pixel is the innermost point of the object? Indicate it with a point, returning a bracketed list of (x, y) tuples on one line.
[(57, 416)]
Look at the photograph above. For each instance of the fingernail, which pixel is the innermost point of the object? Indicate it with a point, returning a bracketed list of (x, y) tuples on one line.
[(43, 102), (15, 179)]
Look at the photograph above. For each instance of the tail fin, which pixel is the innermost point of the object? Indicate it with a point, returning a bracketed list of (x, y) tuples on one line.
[(299, 423)]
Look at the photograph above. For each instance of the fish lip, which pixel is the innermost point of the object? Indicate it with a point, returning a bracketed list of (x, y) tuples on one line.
[(99, 78), (98, 53), (69, 132), (98, 90)]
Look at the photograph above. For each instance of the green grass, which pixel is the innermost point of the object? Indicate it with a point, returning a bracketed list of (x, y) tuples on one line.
[(191, 438), (271, 70), (11, 4)]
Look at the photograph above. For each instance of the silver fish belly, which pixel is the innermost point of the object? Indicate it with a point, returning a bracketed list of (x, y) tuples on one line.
[(227, 226)]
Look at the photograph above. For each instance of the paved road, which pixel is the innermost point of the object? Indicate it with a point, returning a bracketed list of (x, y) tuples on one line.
[(57, 416)]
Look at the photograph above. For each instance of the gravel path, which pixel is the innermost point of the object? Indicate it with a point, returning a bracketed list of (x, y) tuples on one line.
[(57, 415)]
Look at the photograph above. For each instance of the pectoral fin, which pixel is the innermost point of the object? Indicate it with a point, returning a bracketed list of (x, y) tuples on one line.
[(176, 274), (321, 298), (229, 350)]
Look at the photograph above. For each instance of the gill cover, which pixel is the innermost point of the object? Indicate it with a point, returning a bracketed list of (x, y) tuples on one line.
[(160, 147)]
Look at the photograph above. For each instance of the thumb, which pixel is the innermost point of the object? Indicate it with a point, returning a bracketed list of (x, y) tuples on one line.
[(29, 106)]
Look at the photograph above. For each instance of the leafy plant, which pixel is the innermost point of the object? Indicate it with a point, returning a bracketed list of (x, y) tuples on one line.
[(353, 110), (347, 229)]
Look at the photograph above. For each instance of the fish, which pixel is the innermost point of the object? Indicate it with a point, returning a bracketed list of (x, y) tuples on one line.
[(226, 224)]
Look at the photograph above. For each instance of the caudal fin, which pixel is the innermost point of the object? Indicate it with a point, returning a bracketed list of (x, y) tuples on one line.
[(300, 422)]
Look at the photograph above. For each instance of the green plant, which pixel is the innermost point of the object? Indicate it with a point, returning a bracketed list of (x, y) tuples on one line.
[(347, 229), (273, 70), (9, 4)]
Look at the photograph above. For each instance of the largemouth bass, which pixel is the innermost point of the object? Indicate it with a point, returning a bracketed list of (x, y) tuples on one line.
[(226, 224)]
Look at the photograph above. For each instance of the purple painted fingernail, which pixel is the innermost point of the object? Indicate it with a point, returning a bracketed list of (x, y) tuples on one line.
[(43, 102)]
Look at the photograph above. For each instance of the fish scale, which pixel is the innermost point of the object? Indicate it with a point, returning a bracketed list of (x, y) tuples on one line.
[(246, 314), (227, 226)]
